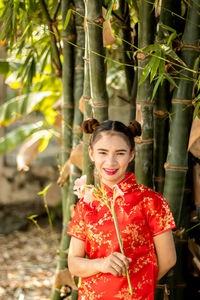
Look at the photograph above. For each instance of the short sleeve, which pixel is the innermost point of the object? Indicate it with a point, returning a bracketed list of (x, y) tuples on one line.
[(158, 214), (77, 225)]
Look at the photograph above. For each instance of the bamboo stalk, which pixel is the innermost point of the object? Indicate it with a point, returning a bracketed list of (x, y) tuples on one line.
[(169, 9), (75, 172), (87, 164), (177, 159), (67, 113), (126, 47), (99, 101), (144, 104), (55, 51)]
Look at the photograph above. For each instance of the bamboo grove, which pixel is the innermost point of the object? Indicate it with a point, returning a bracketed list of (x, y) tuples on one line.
[(156, 45)]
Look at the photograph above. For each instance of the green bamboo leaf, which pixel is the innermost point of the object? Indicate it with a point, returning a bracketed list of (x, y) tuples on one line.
[(196, 65), (128, 54), (155, 65), (27, 4), (44, 190), (17, 136), (196, 110), (16, 4), (172, 54), (168, 28), (171, 37), (44, 140), (158, 82), (161, 67), (32, 217), (170, 80), (147, 70), (151, 48), (110, 8), (26, 29), (18, 106), (67, 19)]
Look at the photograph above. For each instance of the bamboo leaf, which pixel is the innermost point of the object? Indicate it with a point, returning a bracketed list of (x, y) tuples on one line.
[(171, 37), (17, 136), (128, 54), (168, 28), (44, 140), (161, 67), (151, 48), (155, 65), (147, 70), (170, 80), (196, 65), (110, 8), (44, 190), (158, 82), (172, 54), (18, 106), (67, 19), (196, 110), (32, 217), (27, 4)]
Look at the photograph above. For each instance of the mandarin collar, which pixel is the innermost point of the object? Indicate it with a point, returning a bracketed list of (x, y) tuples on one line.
[(125, 184)]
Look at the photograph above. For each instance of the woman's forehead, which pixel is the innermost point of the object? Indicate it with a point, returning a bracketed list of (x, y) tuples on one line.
[(111, 139)]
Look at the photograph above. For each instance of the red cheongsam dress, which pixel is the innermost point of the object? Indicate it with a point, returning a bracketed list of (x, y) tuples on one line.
[(141, 214)]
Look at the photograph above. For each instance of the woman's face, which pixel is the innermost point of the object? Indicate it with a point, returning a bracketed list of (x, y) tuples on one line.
[(111, 155)]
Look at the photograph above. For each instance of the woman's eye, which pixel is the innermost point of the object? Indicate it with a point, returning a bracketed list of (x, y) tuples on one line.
[(103, 153), (120, 153)]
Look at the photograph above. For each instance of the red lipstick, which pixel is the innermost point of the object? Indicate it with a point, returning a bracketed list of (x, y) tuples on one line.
[(111, 171)]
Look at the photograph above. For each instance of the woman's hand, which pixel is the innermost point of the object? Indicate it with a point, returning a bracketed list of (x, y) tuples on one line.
[(116, 263)]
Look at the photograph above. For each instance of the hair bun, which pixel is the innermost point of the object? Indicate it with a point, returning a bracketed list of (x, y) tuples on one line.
[(135, 128), (90, 125)]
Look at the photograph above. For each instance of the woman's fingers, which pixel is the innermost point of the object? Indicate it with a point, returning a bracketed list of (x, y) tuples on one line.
[(116, 264)]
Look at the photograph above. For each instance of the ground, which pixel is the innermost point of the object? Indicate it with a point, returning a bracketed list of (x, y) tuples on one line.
[(27, 263)]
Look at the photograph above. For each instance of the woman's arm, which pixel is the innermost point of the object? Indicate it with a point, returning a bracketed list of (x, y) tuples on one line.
[(165, 251), (116, 263)]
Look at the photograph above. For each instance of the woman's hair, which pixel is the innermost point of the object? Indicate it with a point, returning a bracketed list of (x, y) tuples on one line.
[(93, 127)]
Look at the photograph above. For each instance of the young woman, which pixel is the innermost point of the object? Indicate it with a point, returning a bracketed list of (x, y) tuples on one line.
[(144, 221)]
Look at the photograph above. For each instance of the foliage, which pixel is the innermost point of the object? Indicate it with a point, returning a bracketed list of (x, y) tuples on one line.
[(30, 68)]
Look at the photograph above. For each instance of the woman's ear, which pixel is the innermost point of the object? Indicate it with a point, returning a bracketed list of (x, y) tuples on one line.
[(132, 155), (90, 153)]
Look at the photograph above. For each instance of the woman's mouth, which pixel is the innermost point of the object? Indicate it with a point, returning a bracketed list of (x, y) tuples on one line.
[(110, 171)]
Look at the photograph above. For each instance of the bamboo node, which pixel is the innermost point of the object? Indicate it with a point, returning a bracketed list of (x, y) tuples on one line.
[(167, 167), (67, 105), (141, 141), (140, 102), (62, 258), (78, 174), (142, 56), (85, 58), (65, 149), (159, 179), (100, 104), (79, 67), (185, 101), (160, 113), (99, 20)]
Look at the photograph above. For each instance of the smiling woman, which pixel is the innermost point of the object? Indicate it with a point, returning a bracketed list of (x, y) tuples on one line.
[(144, 221)]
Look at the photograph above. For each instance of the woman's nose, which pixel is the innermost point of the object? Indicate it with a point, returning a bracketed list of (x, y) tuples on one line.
[(111, 159)]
